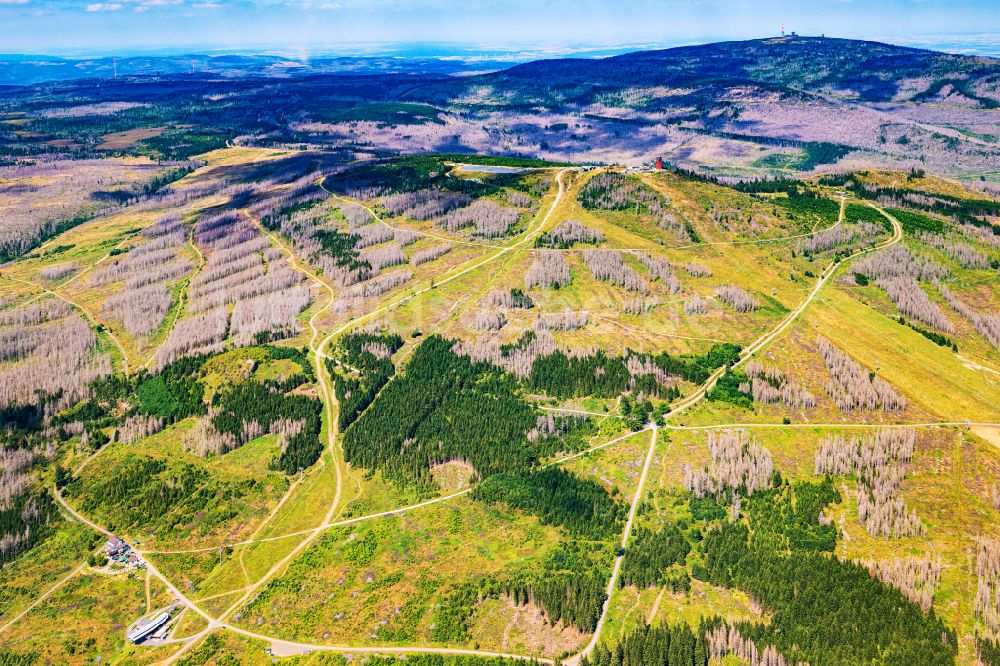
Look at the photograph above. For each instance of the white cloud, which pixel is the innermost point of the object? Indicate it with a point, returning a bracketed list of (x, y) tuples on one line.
[(136, 5), (13, 2)]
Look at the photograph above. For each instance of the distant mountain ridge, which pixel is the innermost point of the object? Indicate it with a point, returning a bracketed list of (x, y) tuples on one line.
[(757, 108), (866, 67), (775, 105), (862, 70)]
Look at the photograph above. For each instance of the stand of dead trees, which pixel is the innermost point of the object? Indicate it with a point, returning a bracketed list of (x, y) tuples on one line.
[(509, 298), (737, 298), (726, 640), (372, 234), (965, 255), (548, 270), (862, 233), (852, 387), (879, 462), (769, 385), (201, 334), (898, 261), (695, 269), (738, 464), (46, 348), (490, 219), (659, 268), (695, 305), (489, 320), (518, 359), (916, 577), (383, 256), (430, 254), (608, 265), (568, 320), (138, 426), (424, 204), (567, 233), (987, 325), (987, 601), (913, 302)]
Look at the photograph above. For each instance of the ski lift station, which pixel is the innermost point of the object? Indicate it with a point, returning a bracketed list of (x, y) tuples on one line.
[(141, 632)]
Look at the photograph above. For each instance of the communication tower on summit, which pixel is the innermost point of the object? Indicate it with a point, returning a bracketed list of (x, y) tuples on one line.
[(782, 28)]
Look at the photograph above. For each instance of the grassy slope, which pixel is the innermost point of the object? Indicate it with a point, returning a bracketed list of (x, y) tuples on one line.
[(377, 582), (35, 572), (247, 462)]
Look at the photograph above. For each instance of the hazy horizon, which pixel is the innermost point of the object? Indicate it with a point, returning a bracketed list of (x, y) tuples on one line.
[(293, 27), (960, 44)]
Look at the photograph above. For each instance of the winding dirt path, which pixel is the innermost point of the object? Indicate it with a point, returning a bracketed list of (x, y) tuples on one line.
[(656, 606), (313, 530), (616, 568), (433, 284), (42, 598), (330, 411), (700, 393), (329, 398)]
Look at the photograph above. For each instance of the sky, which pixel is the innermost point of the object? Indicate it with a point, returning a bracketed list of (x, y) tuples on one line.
[(304, 27)]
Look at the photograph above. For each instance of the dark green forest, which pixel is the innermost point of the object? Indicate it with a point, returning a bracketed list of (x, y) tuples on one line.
[(557, 497), (675, 645), (443, 407), (358, 374), (650, 556), (264, 403), (823, 610)]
